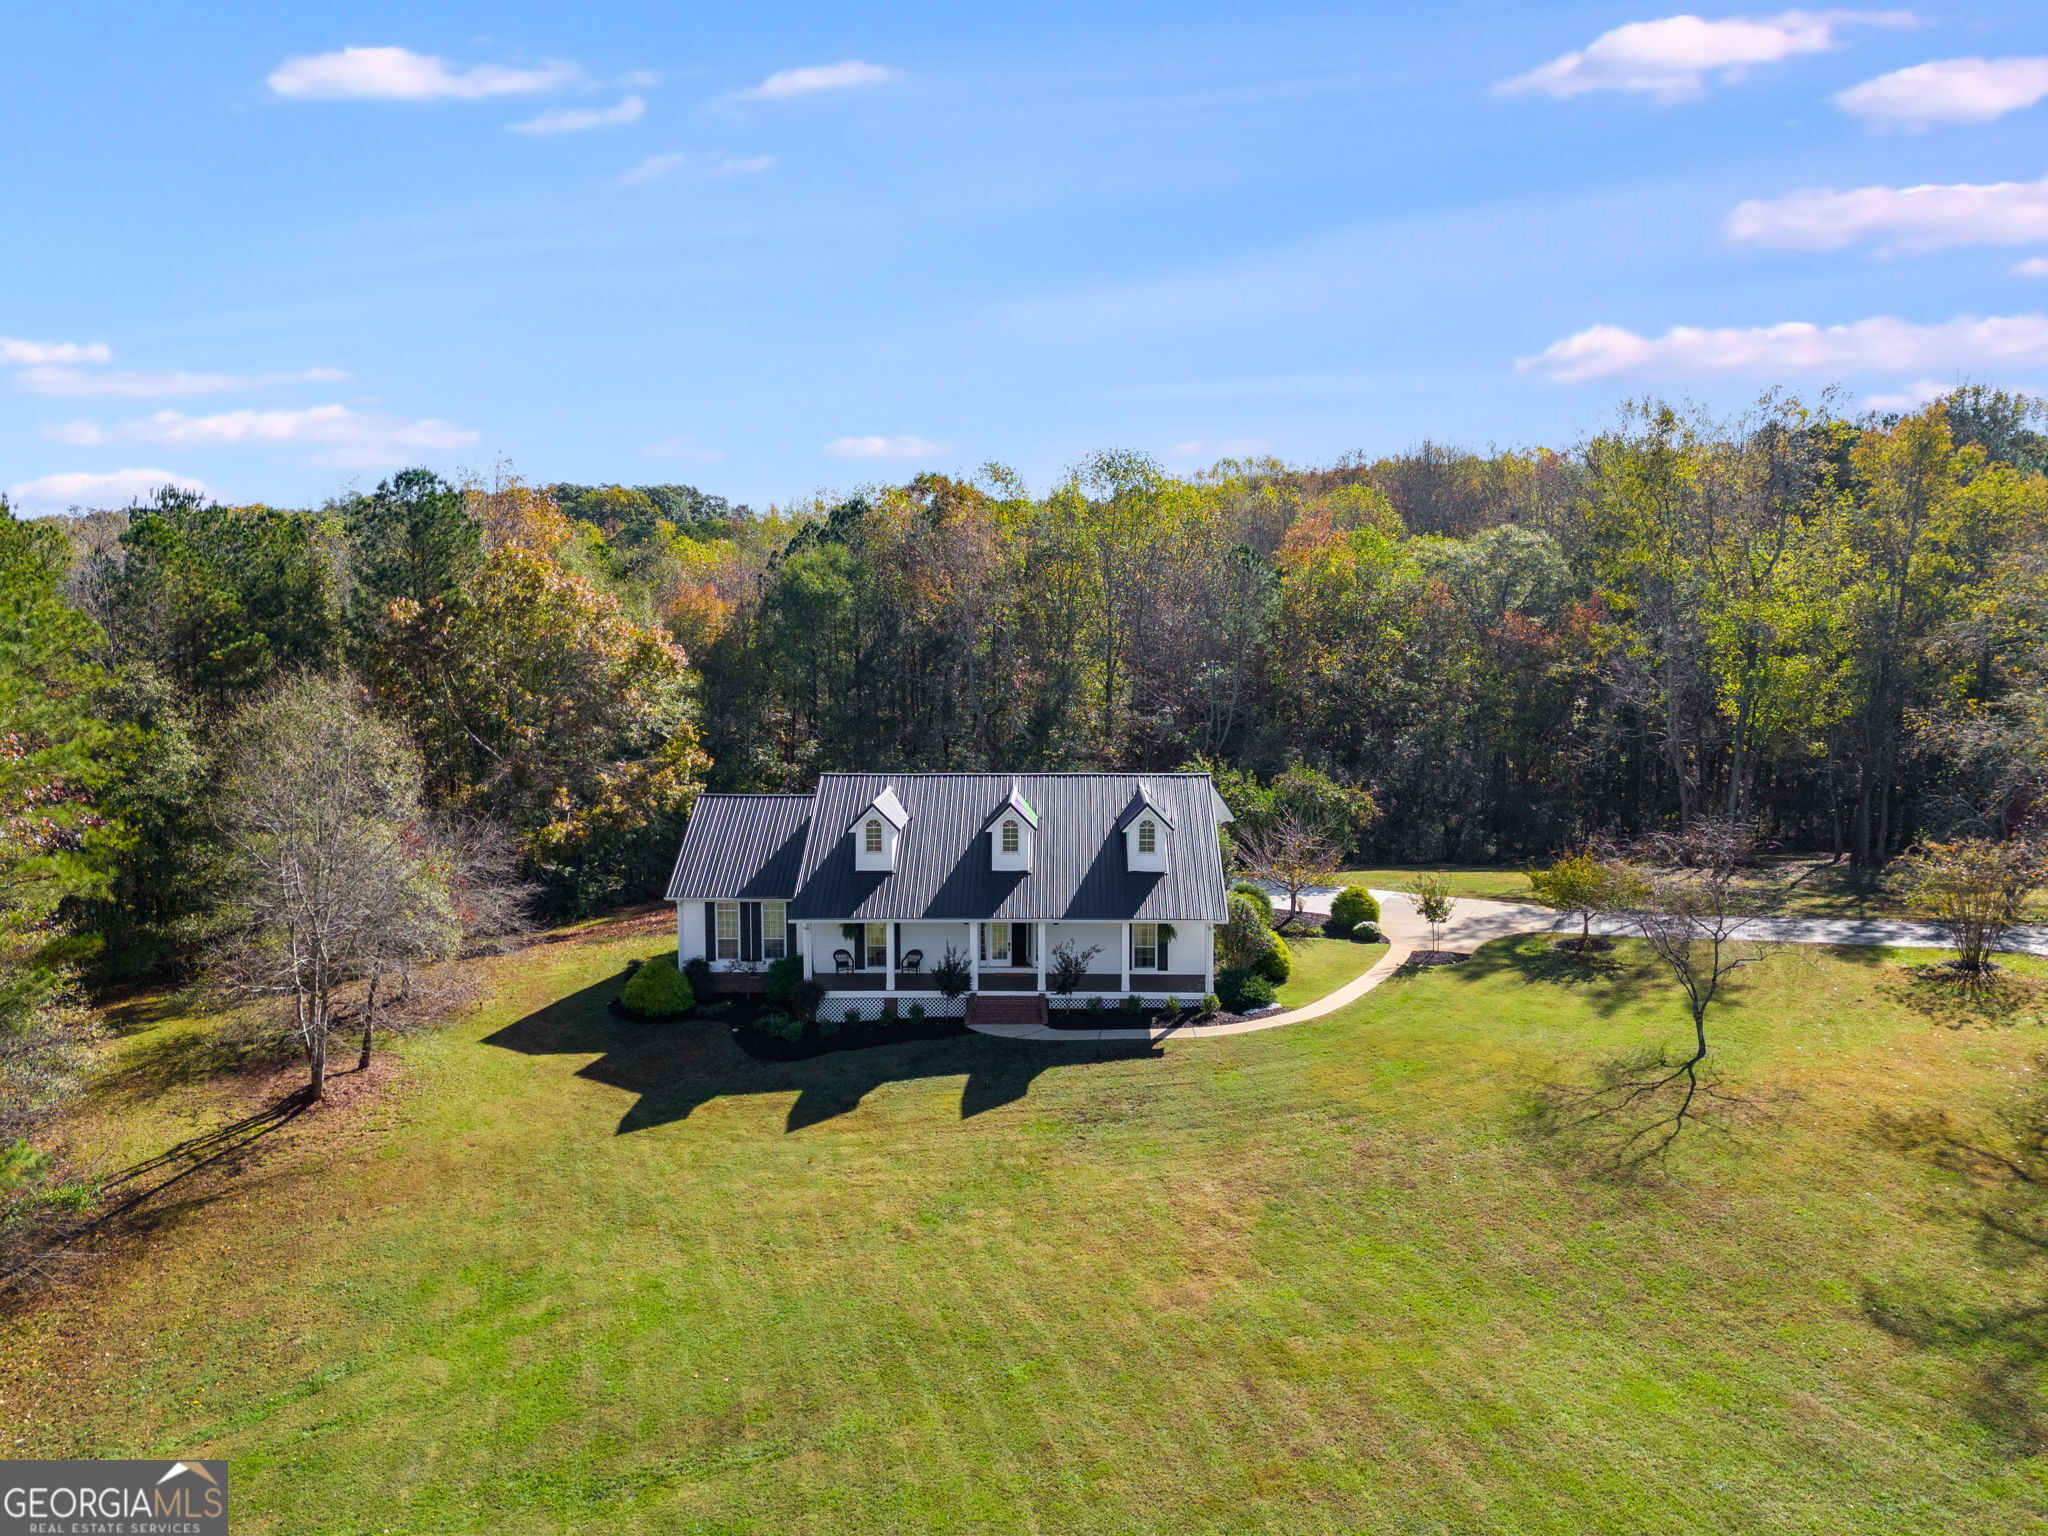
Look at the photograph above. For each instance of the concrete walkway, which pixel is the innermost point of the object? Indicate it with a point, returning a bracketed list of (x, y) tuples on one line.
[(1474, 923)]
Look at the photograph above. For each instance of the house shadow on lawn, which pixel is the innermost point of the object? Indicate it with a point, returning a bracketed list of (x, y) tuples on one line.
[(676, 1067)]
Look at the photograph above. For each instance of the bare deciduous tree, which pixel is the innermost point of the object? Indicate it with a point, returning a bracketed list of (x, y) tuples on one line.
[(333, 878), (1292, 852), (1978, 890)]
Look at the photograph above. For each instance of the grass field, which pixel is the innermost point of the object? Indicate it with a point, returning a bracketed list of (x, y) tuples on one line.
[(1798, 885), (1485, 881), (567, 1274), (1321, 966)]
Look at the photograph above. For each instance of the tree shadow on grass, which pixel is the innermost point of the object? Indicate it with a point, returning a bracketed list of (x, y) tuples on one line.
[(1957, 1000), (2002, 1166), (1608, 982), (674, 1068)]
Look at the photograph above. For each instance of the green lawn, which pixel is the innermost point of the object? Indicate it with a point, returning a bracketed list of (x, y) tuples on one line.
[(1484, 881), (569, 1274), (1321, 966)]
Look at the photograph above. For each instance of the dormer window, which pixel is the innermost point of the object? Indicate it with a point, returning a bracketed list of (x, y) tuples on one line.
[(1144, 824), (877, 830), (1011, 827)]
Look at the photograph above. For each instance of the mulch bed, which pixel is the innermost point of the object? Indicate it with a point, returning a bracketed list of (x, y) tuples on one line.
[(1116, 1018), (1423, 957)]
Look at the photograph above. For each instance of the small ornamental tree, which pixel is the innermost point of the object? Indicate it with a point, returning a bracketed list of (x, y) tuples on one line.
[(1244, 939), (1069, 968), (1433, 904), (952, 975), (1581, 886), (1976, 889), (1292, 853)]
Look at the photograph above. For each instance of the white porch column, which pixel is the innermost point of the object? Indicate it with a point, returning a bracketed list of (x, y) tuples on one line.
[(1038, 951), (1209, 977), (974, 957), (1124, 964), (894, 936), (805, 946)]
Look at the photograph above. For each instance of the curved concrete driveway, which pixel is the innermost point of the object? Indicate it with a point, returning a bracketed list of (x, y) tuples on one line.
[(1475, 922)]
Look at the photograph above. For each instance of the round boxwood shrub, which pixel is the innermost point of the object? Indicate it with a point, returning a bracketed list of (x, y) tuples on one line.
[(1259, 895), (1241, 991), (1368, 933), (658, 990), (1247, 935), (1351, 906), (1277, 963)]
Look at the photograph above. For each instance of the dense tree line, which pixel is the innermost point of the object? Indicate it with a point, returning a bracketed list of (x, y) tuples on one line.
[(1828, 628)]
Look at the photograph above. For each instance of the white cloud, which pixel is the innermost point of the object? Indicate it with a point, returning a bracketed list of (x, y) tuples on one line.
[(1908, 397), (1670, 59), (143, 385), (683, 446), (21, 354), (582, 119), (661, 167), (346, 437), (785, 83), (1947, 91), (1224, 448), (2033, 266), (883, 448), (1879, 345), (116, 488), (1898, 219), (399, 74)]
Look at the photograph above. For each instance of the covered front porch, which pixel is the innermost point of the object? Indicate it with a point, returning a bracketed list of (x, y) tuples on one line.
[(899, 958)]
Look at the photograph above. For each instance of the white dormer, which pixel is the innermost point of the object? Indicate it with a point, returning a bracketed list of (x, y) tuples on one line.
[(1144, 826), (1011, 831), (875, 832)]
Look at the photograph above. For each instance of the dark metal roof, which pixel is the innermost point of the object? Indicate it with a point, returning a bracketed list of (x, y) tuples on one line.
[(742, 847), (1014, 801), (942, 863)]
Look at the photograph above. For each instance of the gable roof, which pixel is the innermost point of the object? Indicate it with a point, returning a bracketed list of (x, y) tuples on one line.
[(942, 866), (741, 847), (1141, 802), (1016, 802), (886, 803)]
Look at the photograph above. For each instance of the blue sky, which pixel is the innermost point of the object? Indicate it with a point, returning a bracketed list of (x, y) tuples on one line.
[(771, 249)]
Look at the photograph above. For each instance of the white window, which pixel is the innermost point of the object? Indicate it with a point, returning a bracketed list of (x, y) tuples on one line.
[(878, 946), (728, 930), (774, 930), (1148, 836), (1145, 944), (1010, 840), (998, 944), (873, 836)]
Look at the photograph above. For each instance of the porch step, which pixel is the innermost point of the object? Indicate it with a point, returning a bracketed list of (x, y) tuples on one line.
[(1006, 1008)]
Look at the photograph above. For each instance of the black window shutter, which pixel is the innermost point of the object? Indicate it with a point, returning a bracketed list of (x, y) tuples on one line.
[(750, 930), (789, 938), (1162, 952), (710, 930)]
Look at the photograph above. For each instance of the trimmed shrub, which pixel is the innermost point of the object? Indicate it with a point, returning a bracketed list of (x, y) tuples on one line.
[(805, 998), (1246, 936), (914, 1012), (1258, 895), (1368, 933), (1133, 1004), (658, 990), (852, 1015), (1277, 963), (1094, 1005), (783, 978), (1170, 1009), (1211, 1003), (1350, 907), (697, 972), (1242, 990), (781, 1026)]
